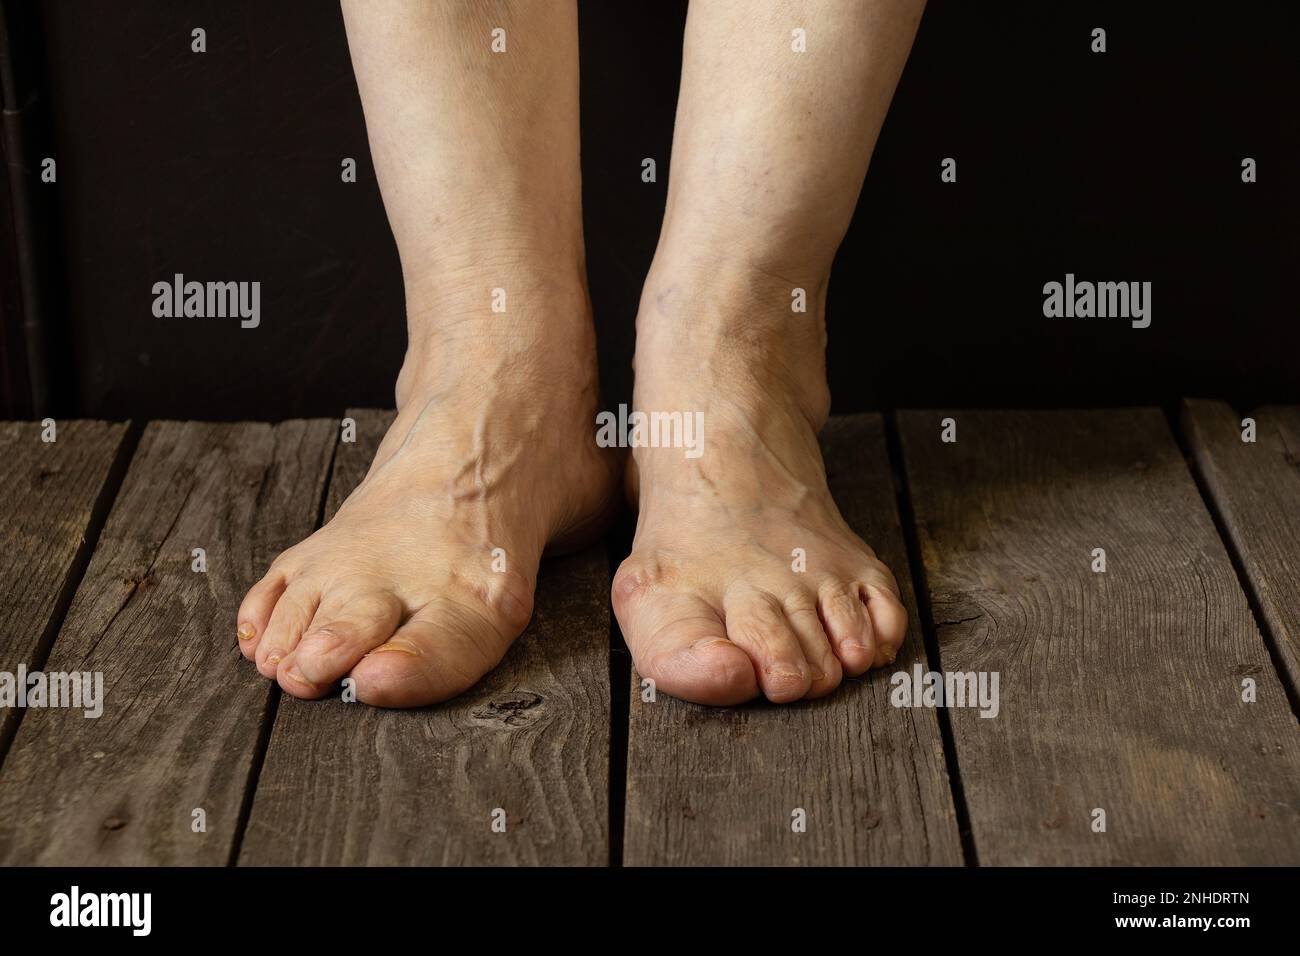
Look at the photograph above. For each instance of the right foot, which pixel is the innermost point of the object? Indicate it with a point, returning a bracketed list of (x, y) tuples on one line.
[(493, 448)]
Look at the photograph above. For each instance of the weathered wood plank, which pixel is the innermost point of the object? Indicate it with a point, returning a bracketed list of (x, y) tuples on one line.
[(183, 711), (50, 493), (1256, 487), (1122, 690), (709, 786), (344, 783)]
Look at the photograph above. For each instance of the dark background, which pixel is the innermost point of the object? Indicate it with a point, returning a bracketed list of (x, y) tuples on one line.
[(225, 166)]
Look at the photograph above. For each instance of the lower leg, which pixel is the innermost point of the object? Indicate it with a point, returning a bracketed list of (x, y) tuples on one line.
[(477, 158), (476, 153), (769, 153)]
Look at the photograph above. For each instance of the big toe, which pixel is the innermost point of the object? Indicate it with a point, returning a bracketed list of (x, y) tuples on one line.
[(680, 642), (439, 653)]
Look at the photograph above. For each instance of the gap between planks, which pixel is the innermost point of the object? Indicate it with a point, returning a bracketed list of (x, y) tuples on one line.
[(111, 446), (1252, 490), (925, 622), (1120, 690), (182, 716)]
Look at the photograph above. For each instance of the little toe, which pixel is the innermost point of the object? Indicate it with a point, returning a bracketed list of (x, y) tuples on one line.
[(255, 611), (888, 622)]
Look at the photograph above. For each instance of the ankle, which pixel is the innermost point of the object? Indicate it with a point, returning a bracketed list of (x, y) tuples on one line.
[(738, 333), (509, 220), (796, 246), (504, 320)]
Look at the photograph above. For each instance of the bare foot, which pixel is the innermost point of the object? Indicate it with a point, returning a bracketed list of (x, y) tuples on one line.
[(710, 600), (492, 448)]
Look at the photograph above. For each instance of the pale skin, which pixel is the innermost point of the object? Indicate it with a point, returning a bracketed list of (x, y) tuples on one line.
[(494, 442)]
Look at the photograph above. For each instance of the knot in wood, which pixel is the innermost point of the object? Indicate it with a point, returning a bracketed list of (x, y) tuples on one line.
[(514, 709)]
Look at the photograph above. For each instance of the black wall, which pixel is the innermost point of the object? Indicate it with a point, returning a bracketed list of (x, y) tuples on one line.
[(1115, 166)]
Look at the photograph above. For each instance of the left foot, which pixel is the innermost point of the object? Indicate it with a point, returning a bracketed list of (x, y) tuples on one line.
[(710, 600)]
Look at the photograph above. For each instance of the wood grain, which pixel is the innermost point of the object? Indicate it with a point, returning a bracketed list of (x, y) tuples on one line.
[(50, 494), (1256, 488), (183, 711), (344, 783), (711, 786), (1119, 690)]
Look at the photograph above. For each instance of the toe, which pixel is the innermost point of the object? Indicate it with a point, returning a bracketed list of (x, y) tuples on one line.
[(678, 639), (292, 682), (801, 612), (440, 652), (293, 612), (255, 611), (888, 621), (847, 624), (344, 630), (680, 642), (757, 623)]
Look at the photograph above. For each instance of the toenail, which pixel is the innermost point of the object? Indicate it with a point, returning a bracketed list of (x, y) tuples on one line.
[(888, 653), (246, 631), (400, 648), (273, 659), (294, 674), (785, 673)]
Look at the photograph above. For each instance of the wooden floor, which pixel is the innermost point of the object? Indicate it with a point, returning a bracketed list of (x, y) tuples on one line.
[(1157, 697)]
